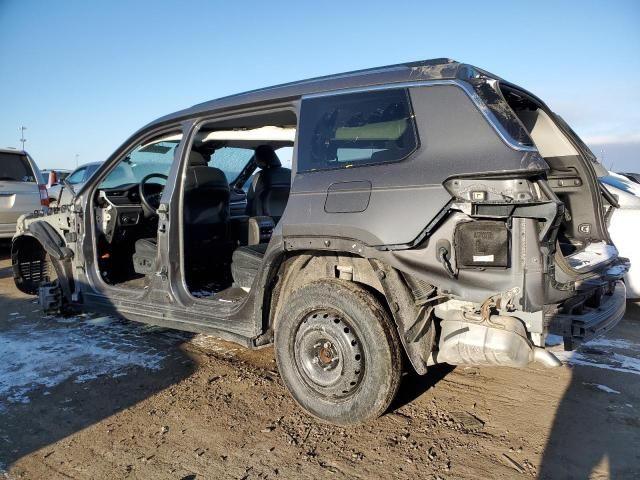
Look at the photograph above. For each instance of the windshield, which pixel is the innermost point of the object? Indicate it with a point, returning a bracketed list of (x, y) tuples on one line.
[(146, 159), (15, 168)]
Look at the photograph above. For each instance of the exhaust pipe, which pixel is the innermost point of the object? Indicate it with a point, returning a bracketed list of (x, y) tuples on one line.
[(500, 340), (545, 357)]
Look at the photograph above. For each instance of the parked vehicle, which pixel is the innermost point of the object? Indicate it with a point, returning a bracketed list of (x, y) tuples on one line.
[(20, 189), (624, 225), (634, 177), (52, 179), (431, 207), (76, 179)]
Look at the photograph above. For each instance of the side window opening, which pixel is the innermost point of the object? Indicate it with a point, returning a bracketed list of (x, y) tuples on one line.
[(356, 129)]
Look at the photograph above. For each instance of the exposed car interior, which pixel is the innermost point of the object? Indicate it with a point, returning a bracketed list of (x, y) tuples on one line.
[(568, 176), (234, 191), (229, 252), (126, 206)]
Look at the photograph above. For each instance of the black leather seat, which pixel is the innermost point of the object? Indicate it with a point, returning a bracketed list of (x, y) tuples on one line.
[(206, 213), (206, 201), (269, 190), (246, 262)]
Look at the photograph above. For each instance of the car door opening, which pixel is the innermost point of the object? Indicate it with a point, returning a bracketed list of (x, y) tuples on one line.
[(236, 185)]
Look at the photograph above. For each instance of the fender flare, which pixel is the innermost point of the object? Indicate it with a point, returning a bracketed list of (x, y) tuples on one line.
[(50, 240)]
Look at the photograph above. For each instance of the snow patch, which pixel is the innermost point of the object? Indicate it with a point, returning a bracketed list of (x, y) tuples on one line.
[(614, 362), (47, 352), (101, 321), (604, 388)]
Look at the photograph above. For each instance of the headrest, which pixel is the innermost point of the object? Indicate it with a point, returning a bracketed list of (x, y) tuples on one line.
[(196, 159), (266, 157)]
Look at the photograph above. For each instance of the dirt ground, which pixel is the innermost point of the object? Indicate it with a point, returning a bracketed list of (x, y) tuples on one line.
[(94, 397)]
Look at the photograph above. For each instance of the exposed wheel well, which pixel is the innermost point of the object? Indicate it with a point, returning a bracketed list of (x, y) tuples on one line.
[(387, 284), (305, 267), (30, 263)]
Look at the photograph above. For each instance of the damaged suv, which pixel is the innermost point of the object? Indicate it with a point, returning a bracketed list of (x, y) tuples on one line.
[(432, 212)]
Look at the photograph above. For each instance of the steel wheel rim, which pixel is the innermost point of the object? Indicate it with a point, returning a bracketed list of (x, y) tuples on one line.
[(328, 354)]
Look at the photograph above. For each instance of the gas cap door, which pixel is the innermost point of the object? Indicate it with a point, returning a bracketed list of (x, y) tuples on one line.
[(348, 197)]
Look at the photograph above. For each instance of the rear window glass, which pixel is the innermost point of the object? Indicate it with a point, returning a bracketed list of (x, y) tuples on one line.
[(351, 130), (502, 112), (15, 168), (231, 160)]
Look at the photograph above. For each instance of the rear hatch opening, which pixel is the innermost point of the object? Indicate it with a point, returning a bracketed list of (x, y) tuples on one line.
[(582, 238)]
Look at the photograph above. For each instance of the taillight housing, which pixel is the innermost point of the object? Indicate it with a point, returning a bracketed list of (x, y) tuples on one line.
[(44, 195)]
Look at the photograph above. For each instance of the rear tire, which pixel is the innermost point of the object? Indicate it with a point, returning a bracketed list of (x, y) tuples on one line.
[(338, 352)]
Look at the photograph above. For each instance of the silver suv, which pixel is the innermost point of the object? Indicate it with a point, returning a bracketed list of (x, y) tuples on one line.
[(20, 190)]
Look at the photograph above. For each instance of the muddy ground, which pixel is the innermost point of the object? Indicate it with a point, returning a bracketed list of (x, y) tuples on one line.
[(93, 397)]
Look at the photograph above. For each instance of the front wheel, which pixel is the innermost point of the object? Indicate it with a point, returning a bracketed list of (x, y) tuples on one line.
[(338, 352)]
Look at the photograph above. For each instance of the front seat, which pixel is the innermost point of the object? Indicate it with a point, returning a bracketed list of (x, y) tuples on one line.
[(269, 190), (206, 201), (206, 212)]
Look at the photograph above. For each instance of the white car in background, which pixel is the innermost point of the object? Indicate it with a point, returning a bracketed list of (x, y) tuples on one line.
[(21, 190), (624, 226)]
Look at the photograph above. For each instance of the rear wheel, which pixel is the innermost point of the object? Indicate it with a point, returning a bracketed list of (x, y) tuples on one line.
[(338, 352)]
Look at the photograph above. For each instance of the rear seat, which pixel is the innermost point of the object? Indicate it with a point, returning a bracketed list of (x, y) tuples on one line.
[(245, 264)]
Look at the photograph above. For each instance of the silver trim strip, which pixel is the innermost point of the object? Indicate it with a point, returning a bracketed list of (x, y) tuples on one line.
[(466, 88)]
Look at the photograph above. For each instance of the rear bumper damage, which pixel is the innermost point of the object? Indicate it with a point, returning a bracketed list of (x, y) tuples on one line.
[(606, 310), (483, 338)]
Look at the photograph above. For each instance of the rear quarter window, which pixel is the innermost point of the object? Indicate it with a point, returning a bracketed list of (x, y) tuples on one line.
[(356, 129), (15, 168)]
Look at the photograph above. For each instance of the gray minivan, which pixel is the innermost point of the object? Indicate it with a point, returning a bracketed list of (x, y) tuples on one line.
[(433, 211), (21, 191)]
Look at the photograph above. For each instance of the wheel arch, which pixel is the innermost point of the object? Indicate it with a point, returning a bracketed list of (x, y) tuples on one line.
[(39, 244), (383, 281)]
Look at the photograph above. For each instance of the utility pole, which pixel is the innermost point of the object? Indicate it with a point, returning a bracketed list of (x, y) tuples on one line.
[(77, 156), (22, 139)]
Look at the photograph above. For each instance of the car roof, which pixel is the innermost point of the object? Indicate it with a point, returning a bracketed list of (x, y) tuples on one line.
[(87, 165), (425, 70), (13, 150)]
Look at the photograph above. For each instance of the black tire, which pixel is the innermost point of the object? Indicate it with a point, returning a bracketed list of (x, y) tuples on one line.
[(338, 352)]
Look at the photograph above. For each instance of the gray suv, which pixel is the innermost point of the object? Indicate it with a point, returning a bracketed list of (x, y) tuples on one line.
[(433, 212)]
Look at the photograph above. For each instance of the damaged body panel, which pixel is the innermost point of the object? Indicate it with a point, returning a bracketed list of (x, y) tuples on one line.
[(430, 207)]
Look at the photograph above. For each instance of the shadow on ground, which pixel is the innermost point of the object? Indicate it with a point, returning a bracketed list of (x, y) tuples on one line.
[(594, 433), (62, 375)]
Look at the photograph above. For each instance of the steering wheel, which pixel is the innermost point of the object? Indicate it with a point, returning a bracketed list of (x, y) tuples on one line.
[(151, 202)]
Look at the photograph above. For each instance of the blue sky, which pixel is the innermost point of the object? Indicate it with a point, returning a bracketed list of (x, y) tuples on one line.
[(82, 76)]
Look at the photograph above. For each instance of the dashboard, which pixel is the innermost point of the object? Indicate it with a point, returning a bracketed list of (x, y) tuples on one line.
[(120, 211)]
